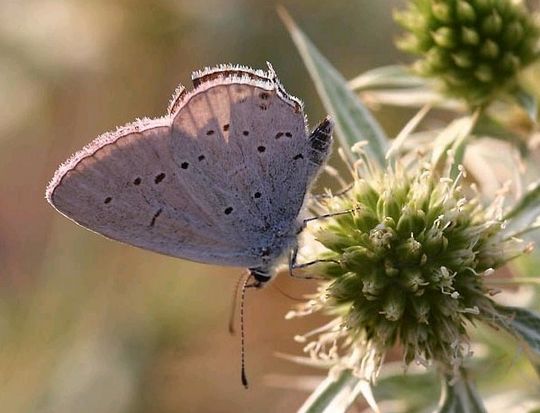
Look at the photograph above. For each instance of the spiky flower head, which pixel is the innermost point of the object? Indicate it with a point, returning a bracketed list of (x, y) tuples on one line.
[(474, 48), (406, 267)]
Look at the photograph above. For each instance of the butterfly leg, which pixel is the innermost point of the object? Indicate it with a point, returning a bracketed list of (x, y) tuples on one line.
[(293, 256), (293, 265), (339, 193), (331, 214)]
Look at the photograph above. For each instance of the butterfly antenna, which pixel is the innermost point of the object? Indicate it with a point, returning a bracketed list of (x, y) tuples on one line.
[(242, 335), (234, 304)]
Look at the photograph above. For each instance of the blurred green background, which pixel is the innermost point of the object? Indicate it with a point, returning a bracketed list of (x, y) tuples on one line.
[(90, 325)]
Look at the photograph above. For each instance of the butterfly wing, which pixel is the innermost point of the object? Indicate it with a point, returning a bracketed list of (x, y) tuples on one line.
[(207, 182), (126, 186), (257, 152)]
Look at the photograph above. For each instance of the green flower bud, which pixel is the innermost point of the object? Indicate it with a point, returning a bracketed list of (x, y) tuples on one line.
[(364, 218), (463, 59), (442, 12), (444, 37), (414, 282), (411, 221), (465, 12), (389, 205), (334, 240), (381, 238), (492, 24), (483, 6), (409, 252), (513, 34), (386, 331), (390, 269), (484, 73), (356, 256), (469, 36), (435, 241), (474, 49), (340, 290), (394, 305), (489, 50), (366, 194), (436, 59), (509, 62), (421, 308), (374, 285)]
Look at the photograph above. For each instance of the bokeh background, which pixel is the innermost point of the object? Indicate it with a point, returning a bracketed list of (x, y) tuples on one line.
[(91, 325), (88, 324)]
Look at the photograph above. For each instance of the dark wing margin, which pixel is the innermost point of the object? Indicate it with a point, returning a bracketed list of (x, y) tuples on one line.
[(320, 146)]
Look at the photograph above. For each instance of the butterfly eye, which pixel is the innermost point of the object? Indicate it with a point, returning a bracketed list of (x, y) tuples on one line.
[(201, 157), (261, 148), (184, 165), (137, 181), (245, 133), (226, 127), (288, 134), (265, 251), (228, 210), (257, 195), (107, 200)]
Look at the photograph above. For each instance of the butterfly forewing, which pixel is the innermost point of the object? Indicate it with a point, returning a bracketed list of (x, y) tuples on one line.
[(212, 181)]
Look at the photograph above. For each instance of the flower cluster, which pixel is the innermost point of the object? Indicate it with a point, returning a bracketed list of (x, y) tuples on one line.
[(408, 267), (474, 48)]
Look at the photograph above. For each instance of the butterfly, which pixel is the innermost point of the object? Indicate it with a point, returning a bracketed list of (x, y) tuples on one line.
[(222, 178)]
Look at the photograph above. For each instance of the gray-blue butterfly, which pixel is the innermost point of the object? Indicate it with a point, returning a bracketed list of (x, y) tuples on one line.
[(221, 179)]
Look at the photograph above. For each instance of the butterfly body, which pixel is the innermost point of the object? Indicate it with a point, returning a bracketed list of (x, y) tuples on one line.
[(220, 179)]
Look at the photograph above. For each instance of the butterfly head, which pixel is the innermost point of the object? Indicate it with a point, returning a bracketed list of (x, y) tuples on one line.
[(261, 275)]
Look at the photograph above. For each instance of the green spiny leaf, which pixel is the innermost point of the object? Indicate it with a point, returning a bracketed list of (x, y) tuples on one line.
[(526, 210), (393, 385), (458, 148), (453, 136), (394, 76), (489, 127), (460, 397), (528, 102), (354, 122), (524, 324), (337, 394)]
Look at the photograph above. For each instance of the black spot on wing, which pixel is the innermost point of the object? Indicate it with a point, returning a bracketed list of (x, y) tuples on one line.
[(156, 215), (160, 177)]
